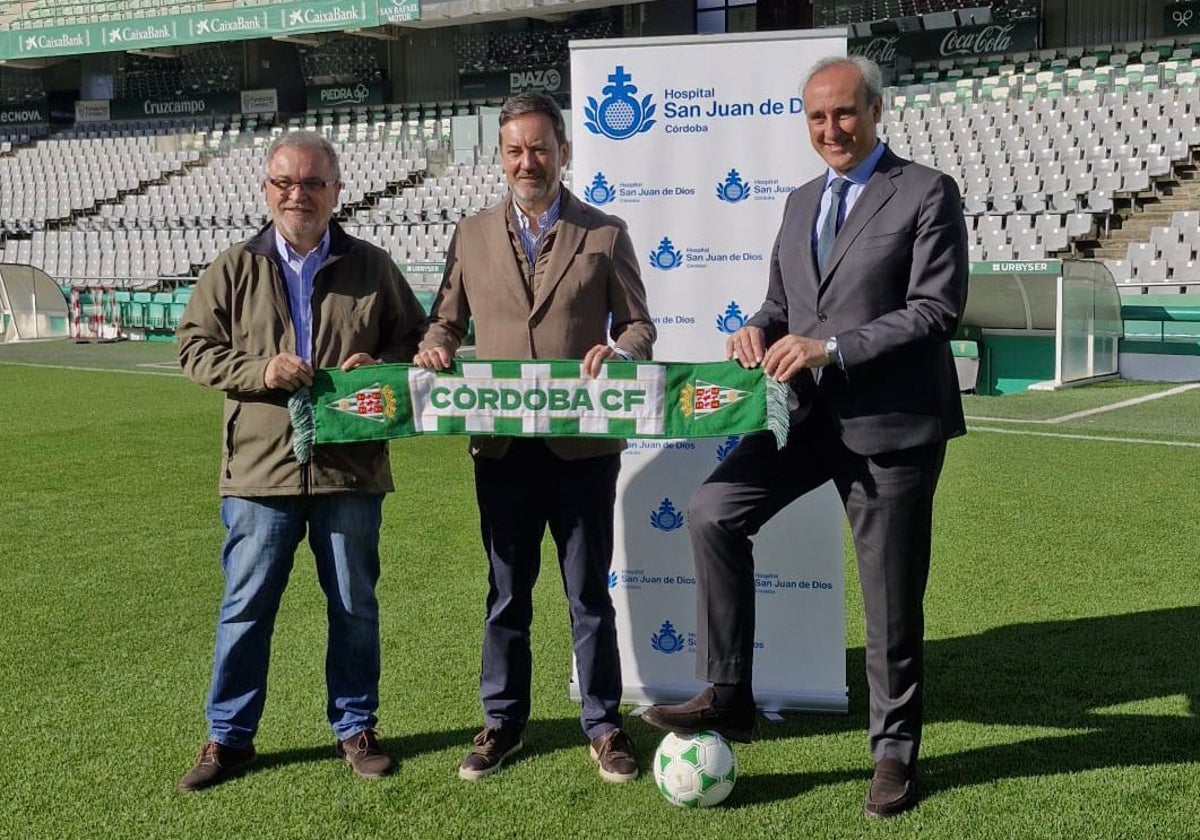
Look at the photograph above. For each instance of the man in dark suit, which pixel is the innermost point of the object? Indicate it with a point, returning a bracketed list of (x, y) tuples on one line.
[(542, 273), (868, 281)]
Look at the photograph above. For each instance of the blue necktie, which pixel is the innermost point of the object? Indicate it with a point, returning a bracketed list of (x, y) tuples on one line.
[(829, 228)]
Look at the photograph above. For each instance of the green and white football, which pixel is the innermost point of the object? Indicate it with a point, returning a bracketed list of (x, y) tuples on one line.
[(695, 771)]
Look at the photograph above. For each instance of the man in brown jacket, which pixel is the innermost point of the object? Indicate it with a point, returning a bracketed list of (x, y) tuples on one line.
[(300, 294), (542, 273)]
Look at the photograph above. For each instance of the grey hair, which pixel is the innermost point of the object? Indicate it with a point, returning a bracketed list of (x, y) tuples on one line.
[(535, 102), (868, 71), (304, 140)]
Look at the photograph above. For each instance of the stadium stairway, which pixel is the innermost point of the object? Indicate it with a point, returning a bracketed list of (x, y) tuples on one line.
[(82, 219), (1133, 221)]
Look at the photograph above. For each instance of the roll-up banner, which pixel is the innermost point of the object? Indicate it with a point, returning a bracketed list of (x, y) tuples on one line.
[(696, 141)]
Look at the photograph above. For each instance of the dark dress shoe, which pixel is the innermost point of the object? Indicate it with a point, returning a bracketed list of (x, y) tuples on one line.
[(215, 764), (700, 715), (893, 789)]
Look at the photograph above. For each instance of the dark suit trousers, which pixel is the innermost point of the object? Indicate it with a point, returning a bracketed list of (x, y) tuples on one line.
[(519, 495), (889, 501)]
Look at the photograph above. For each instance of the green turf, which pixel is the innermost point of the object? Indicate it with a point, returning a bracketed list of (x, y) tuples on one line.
[(128, 355), (1045, 405), (1063, 621), (1096, 410)]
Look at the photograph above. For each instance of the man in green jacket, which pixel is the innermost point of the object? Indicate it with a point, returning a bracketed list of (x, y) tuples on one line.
[(301, 294)]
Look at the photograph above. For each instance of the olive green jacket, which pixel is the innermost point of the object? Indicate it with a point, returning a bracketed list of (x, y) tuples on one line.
[(238, 318)]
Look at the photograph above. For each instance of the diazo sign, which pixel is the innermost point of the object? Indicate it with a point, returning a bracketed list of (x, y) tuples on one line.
[(549, 79)]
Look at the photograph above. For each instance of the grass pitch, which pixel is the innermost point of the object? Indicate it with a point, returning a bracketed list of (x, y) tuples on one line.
[(1063, 624)]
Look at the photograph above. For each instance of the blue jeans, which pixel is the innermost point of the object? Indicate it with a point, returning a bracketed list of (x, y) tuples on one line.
[(262, 535)]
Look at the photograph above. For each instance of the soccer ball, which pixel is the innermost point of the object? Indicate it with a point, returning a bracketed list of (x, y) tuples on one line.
[(695, 771)]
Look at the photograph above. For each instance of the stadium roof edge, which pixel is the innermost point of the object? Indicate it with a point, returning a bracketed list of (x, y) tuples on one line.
[(485, 11)]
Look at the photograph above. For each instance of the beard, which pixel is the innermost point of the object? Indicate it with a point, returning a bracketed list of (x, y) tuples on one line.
[(297, 226), (526, 190)]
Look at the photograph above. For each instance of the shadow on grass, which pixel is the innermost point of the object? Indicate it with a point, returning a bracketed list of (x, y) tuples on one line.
[(540, 737), (1095, 679), (1093, 674)]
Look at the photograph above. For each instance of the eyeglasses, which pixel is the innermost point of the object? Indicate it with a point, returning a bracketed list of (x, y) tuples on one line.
[(309, 185)]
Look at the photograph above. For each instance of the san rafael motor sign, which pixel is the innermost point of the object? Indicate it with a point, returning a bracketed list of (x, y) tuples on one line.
[(399, 11)]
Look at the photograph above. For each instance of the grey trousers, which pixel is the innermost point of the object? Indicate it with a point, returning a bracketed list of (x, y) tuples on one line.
[(888, 499)]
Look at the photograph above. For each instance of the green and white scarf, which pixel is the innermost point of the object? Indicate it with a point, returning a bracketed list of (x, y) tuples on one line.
[(536, 398)]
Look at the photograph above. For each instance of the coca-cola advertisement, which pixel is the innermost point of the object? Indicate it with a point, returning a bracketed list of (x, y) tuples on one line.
[(958, 42), (880, 49)]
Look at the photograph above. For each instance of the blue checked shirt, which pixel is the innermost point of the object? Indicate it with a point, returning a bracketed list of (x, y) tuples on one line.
[(298, 272), (532, 242)]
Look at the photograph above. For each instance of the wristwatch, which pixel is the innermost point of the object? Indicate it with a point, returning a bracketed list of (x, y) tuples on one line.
[(831, 350)]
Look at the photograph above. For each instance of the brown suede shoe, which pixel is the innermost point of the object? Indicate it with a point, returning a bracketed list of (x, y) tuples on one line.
[(364, 755), (613, 752), (488, 751), (699, 714), (215, 764), (893, 789)]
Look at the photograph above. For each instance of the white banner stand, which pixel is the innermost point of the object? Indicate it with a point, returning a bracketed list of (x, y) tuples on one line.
[(695, 142)]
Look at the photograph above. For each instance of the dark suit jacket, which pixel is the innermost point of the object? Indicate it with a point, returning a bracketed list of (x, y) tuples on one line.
[(893, 292), (592, 272)]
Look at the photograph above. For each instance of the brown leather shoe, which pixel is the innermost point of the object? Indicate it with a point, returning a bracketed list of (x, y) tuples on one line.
[(364, 755), (488, 751), (215, 764), (699, 714), (613, 752), (893, 789)]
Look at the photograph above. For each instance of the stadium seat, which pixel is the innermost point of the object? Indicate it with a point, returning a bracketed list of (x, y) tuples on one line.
[(138, 309)]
